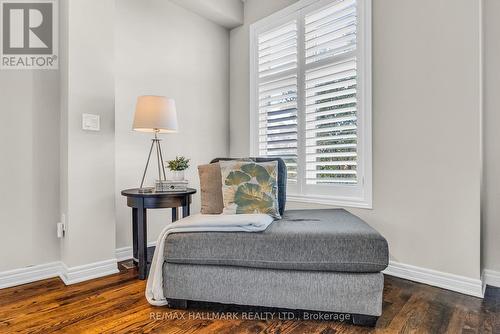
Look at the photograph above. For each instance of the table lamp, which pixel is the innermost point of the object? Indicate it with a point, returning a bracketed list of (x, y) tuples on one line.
[(155, 114)]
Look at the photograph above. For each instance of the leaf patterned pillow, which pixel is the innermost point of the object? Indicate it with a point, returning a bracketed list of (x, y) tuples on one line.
[(250, 187)]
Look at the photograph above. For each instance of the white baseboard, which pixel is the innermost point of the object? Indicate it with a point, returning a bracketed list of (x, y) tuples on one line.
[(72, 275), (491, 277), (69, 275), (125, 253), (77, 274), (462, 284), (29, 274)]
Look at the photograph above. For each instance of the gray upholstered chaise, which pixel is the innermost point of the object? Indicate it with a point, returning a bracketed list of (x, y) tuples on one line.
[(321, 260)]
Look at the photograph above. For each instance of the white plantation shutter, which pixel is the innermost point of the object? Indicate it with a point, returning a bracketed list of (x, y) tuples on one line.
[(311, 91), (277, 94), (330, 89)]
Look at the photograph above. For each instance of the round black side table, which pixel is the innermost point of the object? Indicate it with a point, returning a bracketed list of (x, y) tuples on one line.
[(140, 202)]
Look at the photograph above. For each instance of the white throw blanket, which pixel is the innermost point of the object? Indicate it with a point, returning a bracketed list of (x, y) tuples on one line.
[(197, 223)]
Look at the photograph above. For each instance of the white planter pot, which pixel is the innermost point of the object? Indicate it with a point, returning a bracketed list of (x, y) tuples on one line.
[(177, 175)]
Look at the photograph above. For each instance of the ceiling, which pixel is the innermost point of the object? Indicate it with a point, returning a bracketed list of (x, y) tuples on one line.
[(227, 13)]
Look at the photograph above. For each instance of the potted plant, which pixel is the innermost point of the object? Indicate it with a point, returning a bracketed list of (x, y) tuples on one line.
[(178, 166)]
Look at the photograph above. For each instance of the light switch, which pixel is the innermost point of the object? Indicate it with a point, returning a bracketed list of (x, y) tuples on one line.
[(91, 122)]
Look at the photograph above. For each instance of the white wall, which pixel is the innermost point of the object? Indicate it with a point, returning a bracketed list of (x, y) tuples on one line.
[(87, 166), (426, 128), (163, 49), (491, 206), (29, 168)]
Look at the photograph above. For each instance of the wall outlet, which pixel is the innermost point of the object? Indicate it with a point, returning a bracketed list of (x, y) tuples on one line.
[(60, 230), (61, 227)]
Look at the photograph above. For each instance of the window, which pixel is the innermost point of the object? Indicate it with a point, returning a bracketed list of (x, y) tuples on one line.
[(311, 98)]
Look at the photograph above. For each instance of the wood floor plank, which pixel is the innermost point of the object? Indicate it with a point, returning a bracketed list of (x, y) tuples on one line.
[(116, 304)]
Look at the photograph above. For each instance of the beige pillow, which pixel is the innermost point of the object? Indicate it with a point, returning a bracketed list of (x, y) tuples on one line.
[(211, 189)]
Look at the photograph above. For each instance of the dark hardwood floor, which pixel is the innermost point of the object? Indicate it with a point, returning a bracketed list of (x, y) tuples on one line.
[(116, 304)]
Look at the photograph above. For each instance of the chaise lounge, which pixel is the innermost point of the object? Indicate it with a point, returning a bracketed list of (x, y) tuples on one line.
[(321, 260)]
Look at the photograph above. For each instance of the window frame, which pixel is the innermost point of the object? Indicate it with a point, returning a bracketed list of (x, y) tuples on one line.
[(359, 195)]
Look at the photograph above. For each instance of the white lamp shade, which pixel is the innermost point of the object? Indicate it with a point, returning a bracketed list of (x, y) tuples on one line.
[(155, 113)]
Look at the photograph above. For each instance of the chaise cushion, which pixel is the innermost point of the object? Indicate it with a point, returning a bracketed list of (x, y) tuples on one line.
[(324, 240)]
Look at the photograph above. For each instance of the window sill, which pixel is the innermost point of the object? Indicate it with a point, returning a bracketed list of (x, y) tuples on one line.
[(325, 200)]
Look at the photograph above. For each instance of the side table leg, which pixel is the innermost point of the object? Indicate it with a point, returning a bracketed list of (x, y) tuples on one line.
[(185, 210), (142, 240), (174, 214), (135, 218)]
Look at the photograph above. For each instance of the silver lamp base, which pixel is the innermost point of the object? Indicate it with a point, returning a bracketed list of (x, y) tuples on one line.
[(155, 144)]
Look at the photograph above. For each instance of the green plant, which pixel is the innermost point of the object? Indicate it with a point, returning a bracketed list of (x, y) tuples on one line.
[(178, 164)]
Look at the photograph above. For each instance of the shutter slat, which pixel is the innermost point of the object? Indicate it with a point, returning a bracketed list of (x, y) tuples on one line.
[(282, 121), (313, 124), (331, 147), (271, 86), (330, 14), (330, 44), (282, 135), (278, 62), (285, 67), (279, 91), (272, 142), (332, 69), (284, 44), (280, 125), (334, 26), (273, 116), (282, 154), (273, 100), (333, 163), (314, 141), (335, 103), (319, 97), (330, 112), (313, 132), (276, 130), (343, 84), (331, 180), (325, 78), (278, 54), (276, 36), (346, 48), (280, 146), (280, 106), (333, 155), (335, 35), (310, 174)]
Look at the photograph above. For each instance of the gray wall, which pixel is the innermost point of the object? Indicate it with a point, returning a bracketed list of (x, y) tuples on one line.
[(163, 49), (87, 166), (491, 203), (426, 127), (29, 168)]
